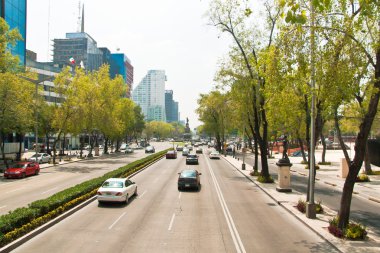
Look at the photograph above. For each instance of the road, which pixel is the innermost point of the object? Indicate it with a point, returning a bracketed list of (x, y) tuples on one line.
[(228, 214), (362, 210), (20, 192)]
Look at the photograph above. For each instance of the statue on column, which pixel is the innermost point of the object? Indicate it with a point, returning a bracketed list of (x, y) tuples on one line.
[(187, 128)]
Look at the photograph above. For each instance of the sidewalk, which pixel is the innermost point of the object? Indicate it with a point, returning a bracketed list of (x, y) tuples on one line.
[(328, 175)]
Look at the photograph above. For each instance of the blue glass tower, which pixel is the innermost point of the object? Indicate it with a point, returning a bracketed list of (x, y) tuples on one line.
[(14, 13)]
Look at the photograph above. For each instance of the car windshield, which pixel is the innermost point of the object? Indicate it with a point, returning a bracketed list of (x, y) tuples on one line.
[(112, 184), (188, 173), (19, 166), (34, 156)]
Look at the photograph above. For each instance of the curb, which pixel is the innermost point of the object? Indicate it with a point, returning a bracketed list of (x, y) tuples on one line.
[(285, 208)]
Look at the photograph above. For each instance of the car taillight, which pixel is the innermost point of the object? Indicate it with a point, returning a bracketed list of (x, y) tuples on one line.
[(119, 194)]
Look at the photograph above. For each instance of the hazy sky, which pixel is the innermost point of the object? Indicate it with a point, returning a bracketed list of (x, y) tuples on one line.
[(172, 35)]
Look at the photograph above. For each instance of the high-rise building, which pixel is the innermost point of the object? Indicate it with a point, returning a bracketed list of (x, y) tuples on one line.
[(14, 13), (121, 65), (171, 107), (150, 95), (78, 46)]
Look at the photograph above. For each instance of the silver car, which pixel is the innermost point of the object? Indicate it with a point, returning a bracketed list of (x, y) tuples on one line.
[(40, 158), (116, 190)]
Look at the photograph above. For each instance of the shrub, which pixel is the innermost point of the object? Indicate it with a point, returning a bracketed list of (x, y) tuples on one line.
[(301, 206), (354, 231), (254, 173), (362, 178), (307, 167), (324, 163), (304, 162), (265, 180)]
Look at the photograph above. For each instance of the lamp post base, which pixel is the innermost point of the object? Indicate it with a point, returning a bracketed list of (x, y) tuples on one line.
[(310, 210), (243, 166)]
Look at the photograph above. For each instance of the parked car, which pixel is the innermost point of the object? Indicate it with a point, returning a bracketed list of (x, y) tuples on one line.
[(40, 158), (150, 149), (123, 147), (298, 153), (116, 190), (22, 169), (214, 155), (179, 148), (199, 150), (171, 154), (192, 159), (189, 179), (185, 151), (128, 150)]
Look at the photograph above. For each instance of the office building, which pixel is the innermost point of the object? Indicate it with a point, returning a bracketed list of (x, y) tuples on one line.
[(121, 65), (14, 13), (171, 107), (150, 95)]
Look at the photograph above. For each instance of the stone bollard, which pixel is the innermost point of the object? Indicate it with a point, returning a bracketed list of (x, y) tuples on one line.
[(284, 175)]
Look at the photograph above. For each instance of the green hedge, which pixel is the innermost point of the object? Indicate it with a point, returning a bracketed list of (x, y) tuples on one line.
[(21, 217)]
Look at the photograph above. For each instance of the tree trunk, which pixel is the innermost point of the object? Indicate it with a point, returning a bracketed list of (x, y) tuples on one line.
[(300, 143), (20, 138), (105, 145), (324, 148), (360, 144), (47, 144), (367, 161), (2, 144)]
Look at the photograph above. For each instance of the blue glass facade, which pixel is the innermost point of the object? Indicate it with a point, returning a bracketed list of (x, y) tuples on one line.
[(14, 13), (117, 66)]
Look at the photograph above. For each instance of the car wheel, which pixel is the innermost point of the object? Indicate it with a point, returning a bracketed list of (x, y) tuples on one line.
[(179, 188), (23, 175), (135, 193)]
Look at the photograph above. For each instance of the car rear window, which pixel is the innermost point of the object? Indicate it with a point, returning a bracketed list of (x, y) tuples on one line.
[(191, 156), (112, 184), (188, 173)]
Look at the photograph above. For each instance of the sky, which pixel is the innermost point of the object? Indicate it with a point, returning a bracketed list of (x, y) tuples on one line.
[(170, 35)]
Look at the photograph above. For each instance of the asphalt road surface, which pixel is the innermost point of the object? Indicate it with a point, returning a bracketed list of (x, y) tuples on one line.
[(20, 192), (228, 214)]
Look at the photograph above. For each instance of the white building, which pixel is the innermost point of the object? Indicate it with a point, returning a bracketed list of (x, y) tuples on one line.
[(150, 95)]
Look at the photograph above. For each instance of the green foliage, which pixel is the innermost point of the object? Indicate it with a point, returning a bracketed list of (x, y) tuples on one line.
[(265, 180), (301, 206), (354, 231), (362, 178), (324, 163), (316, 167)]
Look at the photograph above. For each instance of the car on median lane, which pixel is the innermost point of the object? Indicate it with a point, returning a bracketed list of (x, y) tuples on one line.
[(22, 169), (171, 154), (189, 179), (150, 149), (199, 150), (192, 159), (116, 190)]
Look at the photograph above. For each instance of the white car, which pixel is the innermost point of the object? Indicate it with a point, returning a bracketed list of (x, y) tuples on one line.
[(116, 190), (40, 158), (185, 151), (214, 155)]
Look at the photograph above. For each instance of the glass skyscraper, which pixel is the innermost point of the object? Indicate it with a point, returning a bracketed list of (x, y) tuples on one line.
[(14, 13)]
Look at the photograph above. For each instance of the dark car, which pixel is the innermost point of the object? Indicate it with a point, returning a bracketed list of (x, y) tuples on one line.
[(171, 154), (189, 179), (150, 149), (22, 169), (192, 159)]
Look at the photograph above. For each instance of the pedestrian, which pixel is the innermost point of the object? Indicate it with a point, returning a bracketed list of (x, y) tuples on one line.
[(233, 152)]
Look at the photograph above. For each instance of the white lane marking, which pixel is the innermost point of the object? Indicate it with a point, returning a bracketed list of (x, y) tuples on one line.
[(110, 227), (16, 190), (52, 189), (171, 222), (140, 196), (179, 196), (2, 206), (230, 222)]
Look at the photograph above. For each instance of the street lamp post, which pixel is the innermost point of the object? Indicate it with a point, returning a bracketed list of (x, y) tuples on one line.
[(310, 207)]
